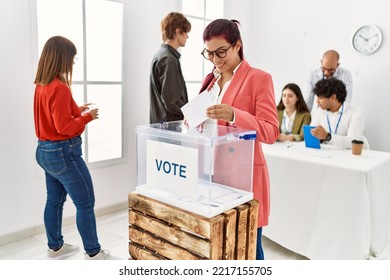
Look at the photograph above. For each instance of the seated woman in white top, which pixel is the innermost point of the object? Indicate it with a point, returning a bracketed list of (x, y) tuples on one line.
[(337, 123)]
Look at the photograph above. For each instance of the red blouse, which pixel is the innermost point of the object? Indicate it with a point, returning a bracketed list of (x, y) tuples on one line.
[(56, 114)]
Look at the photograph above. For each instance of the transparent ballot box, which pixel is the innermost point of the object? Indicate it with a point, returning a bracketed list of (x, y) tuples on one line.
[(205, 170)]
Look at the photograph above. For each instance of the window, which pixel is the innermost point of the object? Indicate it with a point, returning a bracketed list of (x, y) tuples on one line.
[(95, 27), (200, 13)]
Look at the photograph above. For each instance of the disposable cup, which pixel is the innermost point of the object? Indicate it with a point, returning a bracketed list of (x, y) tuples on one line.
[(357, 147)]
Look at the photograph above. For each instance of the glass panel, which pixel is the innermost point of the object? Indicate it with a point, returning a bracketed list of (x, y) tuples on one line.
[(104, 40), (53, 18), (78, 96), (105, 133), (193, 89), (214, 9), (191, 59), (104, 30), (208, 66), (193, 7)]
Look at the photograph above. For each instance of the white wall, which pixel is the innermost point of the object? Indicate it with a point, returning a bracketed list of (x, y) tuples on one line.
[(21, 196), (287, 39), (22, 186)]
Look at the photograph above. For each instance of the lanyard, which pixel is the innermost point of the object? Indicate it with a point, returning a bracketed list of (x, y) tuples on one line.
[(338, 121)]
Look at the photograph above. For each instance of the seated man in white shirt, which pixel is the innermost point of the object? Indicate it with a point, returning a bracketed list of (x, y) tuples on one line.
[(337, 123)]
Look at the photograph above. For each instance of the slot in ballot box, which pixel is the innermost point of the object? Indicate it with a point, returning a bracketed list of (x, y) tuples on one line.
[(205, 170)]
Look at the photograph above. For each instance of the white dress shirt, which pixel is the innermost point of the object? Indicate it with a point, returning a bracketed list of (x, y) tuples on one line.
[(316, 75), (217, 94), (345, 125)]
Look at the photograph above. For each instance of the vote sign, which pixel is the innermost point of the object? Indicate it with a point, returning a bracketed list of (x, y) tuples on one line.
[(172, 168)]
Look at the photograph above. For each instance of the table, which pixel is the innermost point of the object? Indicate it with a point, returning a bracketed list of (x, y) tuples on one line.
[(328, 203)]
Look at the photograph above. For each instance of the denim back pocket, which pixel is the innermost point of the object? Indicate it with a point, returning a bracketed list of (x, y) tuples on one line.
[(75, 149), (53, 160)]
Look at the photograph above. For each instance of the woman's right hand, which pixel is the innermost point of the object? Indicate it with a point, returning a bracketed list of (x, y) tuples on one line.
[(94, 113)]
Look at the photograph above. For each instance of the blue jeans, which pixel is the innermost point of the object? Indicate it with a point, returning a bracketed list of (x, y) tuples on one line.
[(259, 246), (66, 173)]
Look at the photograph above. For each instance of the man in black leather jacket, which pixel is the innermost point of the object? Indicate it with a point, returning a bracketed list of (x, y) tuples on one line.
[(168, 92)]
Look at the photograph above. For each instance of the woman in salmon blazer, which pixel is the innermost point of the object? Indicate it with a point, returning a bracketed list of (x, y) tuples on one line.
[(244, 97)]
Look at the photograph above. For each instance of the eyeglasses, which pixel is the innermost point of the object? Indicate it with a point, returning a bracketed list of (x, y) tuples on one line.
[(332, 70), (221, 53), (75, 60)]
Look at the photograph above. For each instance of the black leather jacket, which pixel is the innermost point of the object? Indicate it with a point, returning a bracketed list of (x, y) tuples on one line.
[(168, 92)]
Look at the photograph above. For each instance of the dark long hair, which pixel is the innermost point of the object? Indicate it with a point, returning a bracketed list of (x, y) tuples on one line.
[(300, 106)]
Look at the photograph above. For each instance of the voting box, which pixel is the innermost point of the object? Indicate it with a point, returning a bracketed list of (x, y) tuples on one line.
[(205, 170)]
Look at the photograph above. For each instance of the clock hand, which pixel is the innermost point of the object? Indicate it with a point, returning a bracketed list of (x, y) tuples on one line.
[(365, 39), (372, 37)]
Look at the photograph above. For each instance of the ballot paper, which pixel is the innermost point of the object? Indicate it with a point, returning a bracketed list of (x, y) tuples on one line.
[(195, 110)]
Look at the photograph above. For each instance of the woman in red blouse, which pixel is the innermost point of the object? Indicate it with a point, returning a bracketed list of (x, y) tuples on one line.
[(59, 122)]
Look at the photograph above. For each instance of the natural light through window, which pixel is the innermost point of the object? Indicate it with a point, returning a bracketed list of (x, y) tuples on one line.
[(200, 13), (96, 28)]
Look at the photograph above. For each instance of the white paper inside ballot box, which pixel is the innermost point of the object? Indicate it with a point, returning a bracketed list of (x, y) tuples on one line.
[(172, 168)]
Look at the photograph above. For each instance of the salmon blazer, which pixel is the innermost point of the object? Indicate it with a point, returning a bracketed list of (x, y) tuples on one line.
[(251, 94)]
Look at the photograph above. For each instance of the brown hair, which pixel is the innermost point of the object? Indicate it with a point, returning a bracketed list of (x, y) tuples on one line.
[(300, 106), (171, 22), (56, 61)]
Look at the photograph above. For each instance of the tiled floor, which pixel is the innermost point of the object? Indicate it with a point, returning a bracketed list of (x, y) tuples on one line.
[(113, 236)]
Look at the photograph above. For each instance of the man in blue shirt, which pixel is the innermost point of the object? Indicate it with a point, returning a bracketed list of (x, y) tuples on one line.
[(330, 67)]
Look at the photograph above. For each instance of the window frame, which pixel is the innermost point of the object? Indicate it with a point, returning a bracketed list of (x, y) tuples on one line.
[(206, 21), (85, 82)]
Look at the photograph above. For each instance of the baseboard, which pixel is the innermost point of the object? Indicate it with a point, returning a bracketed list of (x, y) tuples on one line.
[(26, 233)]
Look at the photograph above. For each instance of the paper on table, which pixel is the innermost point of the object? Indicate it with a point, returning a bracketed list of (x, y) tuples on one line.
[(195, 110)]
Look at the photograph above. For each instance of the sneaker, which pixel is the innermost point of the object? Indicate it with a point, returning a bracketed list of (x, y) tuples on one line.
[(66, 250), (102, 255)]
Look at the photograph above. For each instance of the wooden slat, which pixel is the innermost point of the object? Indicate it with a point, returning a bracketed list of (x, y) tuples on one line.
[(140, 253), (230, 234), (161, 231), (170, 233), (179, 217), (156, 244), (216, 240), (242, 223), (252, 229)]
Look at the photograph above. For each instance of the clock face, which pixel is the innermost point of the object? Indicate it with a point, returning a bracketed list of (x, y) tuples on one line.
[(367, 39)]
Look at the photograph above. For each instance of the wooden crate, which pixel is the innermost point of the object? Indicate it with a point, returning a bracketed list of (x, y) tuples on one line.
[(161, 231)]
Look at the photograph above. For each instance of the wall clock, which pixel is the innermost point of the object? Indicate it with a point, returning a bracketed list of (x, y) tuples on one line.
[(367, 39)]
